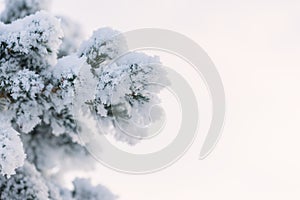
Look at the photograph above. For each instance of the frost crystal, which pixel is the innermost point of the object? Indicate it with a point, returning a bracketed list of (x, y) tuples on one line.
[(11, 151), (104, 45), (30, 43)]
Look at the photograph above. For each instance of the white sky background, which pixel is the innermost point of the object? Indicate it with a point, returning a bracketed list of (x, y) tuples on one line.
[(256, 47)]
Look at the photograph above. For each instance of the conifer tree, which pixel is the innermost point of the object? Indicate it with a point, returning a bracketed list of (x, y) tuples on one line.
[(40, 58)]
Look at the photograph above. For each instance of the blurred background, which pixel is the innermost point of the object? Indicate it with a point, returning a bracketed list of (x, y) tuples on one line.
[(256, 47)]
